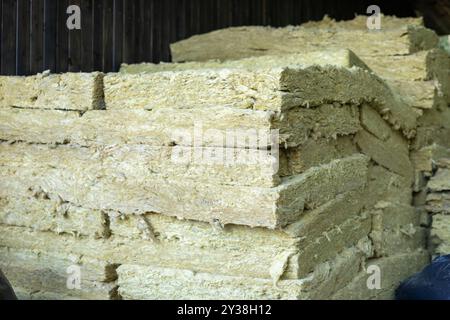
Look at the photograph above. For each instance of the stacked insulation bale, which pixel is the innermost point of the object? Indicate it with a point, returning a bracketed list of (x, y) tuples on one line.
[(403, 53), (92, 184), (89, 180)]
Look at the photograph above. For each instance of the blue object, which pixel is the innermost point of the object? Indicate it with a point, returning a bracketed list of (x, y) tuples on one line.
[(432, 283)]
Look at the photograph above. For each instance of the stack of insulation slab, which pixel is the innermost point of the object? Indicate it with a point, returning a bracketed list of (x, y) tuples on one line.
[(90, 187), (403, 54), (93, 184)]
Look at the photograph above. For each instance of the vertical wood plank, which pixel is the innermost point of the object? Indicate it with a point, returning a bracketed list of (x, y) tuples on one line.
[(108, 45), (140, 33), (75, 45), (8, 37), (37, 36), (23, 37), (181, 7), (118, 34), (146, 31), (165, 31), (157, 21), (87, 33), (128, 31), (97, 36), (50, 12), (62, 35)]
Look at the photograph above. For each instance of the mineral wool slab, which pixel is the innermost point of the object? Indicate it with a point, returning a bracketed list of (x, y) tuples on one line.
[(68, 91), (48, 272), (76, 177), (39, 212), (272, 89), (393, 269), (167, 242), (208, 127), (343, 58), (241, 42), (148, 282)]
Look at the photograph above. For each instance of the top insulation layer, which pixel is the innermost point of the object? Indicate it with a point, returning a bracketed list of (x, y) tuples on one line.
[(68, 91), (254, 83), (396, 37), (341, 58)]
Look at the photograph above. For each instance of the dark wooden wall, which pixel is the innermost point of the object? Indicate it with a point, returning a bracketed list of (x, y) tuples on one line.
[(34, 36)]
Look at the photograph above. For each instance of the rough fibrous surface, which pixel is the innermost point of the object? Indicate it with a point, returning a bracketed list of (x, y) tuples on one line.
[(100, 190)]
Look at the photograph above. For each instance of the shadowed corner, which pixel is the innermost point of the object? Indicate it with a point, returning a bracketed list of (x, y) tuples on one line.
[(6, 291)]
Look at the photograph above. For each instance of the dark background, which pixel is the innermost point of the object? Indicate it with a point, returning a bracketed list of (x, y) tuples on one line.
[(34, 36)]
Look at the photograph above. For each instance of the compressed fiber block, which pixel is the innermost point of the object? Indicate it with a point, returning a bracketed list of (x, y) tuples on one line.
[(433, 127), (360, 23), (393, 270), (396, 228), (68, 91), (272, 89), (204, 127), (170, 243), (438, 202), (416, 69), (44, 214), (388, 215), (419, 94), (314, 152), (340, 58), (313, 246), (424, 158), (388, 186), (440, 181), (393, 241), (148, 282), (75, 175), (440, 234), (240, 42), (39, 271), (384, 145)]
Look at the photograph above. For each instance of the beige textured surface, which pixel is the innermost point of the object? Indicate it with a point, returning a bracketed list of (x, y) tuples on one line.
[(139, 282), (360, 23), (240, 42), (388, 186), (41, 213), (43, 272), (261, 89), (404, 239), (314, 152), (247, 252), (332, 242), (392, 153), (440, 234), (68, 91), (195, 246), (168, 127), (415, 69), (75, 176), (440, 181), (393, 270), (342, 58), (437, 204)]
